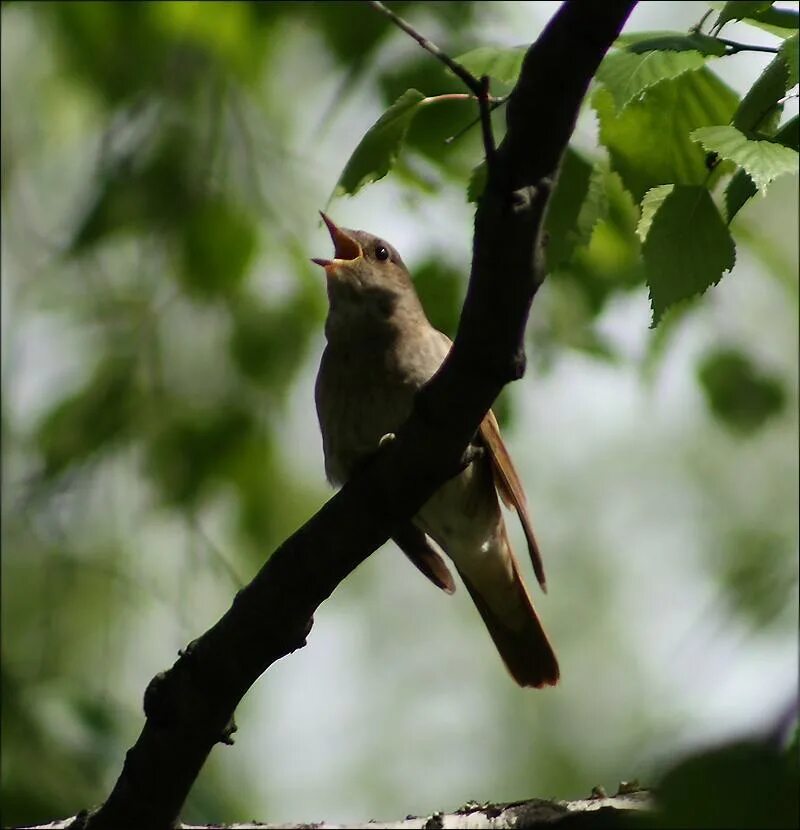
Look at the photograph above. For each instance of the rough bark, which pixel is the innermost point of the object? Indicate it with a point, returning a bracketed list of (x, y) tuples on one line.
[(587, 814)]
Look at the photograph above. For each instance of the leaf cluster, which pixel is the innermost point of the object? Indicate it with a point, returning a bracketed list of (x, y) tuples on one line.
[(682, 155)]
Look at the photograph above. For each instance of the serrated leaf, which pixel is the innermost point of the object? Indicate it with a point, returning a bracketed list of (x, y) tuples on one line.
[(377, 151), (763, 160), (762, 98), (789, 52), (738, 10), (651, 202), (779, 22), (626, 74), (561, 222), (596, 204), (648, 142), (477, 182), (687, 248), (501, 62), (671, 41), (741, 188)]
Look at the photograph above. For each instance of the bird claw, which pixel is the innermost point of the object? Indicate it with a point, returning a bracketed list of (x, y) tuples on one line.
[(385, 439)]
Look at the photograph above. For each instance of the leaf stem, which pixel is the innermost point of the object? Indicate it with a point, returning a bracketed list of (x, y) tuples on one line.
[(495, 103), (479, 88), (459, 96)]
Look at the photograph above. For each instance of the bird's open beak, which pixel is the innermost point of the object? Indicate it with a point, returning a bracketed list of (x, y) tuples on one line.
[(345, 248)]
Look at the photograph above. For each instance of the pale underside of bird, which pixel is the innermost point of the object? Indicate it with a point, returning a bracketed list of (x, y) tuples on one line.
[(381, 349)]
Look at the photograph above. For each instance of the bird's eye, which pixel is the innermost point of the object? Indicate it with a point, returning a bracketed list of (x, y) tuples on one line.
[(381, 253)]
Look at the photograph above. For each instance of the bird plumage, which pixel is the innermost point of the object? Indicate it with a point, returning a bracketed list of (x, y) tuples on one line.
[(381, 349)]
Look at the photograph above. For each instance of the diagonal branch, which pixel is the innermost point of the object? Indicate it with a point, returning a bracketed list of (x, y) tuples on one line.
[(190, 707)]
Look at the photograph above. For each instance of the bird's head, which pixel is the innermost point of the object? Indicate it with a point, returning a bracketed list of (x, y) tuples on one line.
[(365, 271)]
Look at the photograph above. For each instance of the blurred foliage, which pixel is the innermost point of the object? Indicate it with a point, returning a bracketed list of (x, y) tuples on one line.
[(748, 784), (155, 258), (738, 393)]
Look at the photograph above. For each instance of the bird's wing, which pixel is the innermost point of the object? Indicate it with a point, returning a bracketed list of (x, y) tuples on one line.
[(419, 549), (507, 482), (510, 488)]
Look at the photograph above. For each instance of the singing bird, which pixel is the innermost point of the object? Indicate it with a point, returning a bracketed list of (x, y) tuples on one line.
[(381, 349)]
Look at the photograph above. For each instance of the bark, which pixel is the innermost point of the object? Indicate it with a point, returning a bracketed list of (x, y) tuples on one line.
[(602, 812)]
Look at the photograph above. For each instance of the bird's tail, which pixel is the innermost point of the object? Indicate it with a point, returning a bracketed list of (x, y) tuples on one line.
[(514, 624)]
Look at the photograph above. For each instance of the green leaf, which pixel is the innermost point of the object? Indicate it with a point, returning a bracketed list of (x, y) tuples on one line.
[(743, 784), (501, 62), (217, 246), (651, 202), (762, 98), (561, 222), (738, 10), (741, 188), (606, 259), (789, 53), (648, 142), (671, 41), (779, 22), (378, 149), (441, 290), (432, 125), (477, 182), (738, 393), (687, 247), (763, 160), (626, 74)]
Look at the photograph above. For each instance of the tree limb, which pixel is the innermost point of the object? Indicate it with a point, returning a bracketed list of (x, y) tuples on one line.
[(588, 813), (190, 707)]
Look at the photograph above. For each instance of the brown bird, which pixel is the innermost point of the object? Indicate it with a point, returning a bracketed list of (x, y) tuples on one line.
[(381, 349)]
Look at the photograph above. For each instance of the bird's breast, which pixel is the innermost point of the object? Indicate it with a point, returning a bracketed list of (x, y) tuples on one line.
[(366, 390)]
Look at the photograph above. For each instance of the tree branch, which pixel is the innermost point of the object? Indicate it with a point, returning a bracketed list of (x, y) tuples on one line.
[(190, 707), (588, 813)]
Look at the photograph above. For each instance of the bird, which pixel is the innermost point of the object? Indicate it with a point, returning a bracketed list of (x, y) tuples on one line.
[(381, 349)]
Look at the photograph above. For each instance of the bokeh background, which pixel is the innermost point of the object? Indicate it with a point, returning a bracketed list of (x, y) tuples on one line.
[(162, 168)]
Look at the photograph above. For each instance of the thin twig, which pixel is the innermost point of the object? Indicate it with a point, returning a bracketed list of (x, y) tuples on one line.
[(486, 123), (465, 75), (479, 88), (698, 27), (734, 47), (495, 103)]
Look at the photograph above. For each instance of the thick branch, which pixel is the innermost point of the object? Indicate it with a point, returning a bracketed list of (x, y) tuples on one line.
[(190, 707), (601, 813)]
